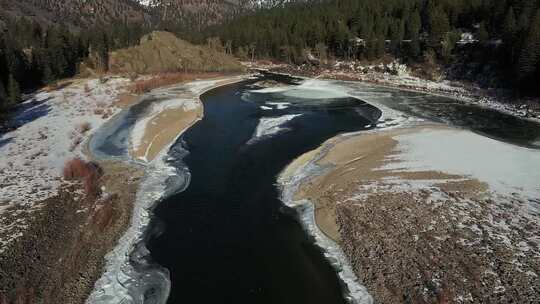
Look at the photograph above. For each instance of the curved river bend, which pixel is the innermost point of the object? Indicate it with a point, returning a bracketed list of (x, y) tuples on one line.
[(228, 238)]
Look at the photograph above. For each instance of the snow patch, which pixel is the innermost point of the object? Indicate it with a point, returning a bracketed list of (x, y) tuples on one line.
[(47, 131), (506, 168)]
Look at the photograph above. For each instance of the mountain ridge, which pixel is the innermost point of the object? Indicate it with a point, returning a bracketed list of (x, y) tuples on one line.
[(83, 14)]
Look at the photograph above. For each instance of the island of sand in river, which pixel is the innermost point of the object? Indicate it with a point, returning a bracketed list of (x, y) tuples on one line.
[(429, 214)]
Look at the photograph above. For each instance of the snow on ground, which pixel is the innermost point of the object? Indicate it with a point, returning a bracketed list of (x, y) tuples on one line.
[(506, 168), (49, 128)]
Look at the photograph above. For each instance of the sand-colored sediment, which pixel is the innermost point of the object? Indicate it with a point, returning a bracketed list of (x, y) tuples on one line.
[(420, 236), (355, 160), (125, 100), (164, 127)]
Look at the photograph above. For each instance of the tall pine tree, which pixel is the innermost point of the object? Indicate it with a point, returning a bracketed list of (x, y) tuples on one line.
[(13, 91), (530, 55)]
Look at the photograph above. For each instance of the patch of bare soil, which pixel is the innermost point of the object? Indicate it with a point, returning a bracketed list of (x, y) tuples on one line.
[(423, 237), (126, 100), (61, 255)]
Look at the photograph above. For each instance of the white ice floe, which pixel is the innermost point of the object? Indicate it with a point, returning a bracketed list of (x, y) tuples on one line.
[(279, 105), (309, 89), (506, 168), (50, 128), (273, 125)]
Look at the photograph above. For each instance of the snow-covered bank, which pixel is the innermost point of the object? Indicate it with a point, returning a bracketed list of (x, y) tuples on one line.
[(395, 75), (129, 274), (48, 129), (507, 169), (408, 191)]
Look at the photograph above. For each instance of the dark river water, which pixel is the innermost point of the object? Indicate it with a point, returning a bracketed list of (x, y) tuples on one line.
[(228, 238)]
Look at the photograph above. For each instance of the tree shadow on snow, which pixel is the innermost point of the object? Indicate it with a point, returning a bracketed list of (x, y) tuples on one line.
[(28, 112), (5, 141)]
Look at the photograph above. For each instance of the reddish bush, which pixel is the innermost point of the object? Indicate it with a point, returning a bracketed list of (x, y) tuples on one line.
[(87, 172)]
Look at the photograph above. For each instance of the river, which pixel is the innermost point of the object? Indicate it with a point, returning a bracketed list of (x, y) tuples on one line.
[(227, 237)]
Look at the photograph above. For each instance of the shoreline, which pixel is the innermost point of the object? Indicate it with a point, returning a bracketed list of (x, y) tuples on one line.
[(53, 219), (460, 93), (119, 281), (346, 179)]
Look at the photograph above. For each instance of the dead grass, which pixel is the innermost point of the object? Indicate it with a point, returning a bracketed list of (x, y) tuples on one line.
[(88, 173)]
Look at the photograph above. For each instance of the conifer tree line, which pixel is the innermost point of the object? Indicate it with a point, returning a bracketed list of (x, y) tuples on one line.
[(507, 32), (33, 55)]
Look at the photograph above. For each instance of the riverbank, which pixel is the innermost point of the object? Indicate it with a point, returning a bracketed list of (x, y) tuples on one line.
[(166, 120), (395, 75), (171, 111), (54, 237), (422, 220)]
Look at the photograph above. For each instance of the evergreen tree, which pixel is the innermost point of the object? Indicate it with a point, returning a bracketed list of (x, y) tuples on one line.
[(509, 26), (483, 35), (530, 55), (13, 91), (3, 97)]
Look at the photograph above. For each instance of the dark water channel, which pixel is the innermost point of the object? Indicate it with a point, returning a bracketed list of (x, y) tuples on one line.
[(227, 238)]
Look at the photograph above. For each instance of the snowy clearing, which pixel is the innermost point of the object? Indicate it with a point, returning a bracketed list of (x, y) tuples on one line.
[(48, 129)]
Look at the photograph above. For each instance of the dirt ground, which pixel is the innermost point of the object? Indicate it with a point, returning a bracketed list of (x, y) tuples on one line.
[(51, 262), (421, 237)]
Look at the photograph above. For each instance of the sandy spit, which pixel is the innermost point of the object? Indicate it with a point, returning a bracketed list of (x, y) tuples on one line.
[(419, 235)]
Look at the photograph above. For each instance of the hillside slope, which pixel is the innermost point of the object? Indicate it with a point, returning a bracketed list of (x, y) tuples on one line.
[(80, 14), (164, 52), (75, 13)]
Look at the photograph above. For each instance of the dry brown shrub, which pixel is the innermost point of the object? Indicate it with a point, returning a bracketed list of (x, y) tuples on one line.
[(84, 127), (88, 173)]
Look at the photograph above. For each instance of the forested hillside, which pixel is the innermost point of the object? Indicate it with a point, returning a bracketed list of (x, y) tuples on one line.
[(33, 55), (41, 41), (75, 14), (505, 33)]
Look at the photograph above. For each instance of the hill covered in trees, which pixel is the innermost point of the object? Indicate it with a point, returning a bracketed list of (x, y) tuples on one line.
[(41, 41), (504, 34), (33, 55)]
